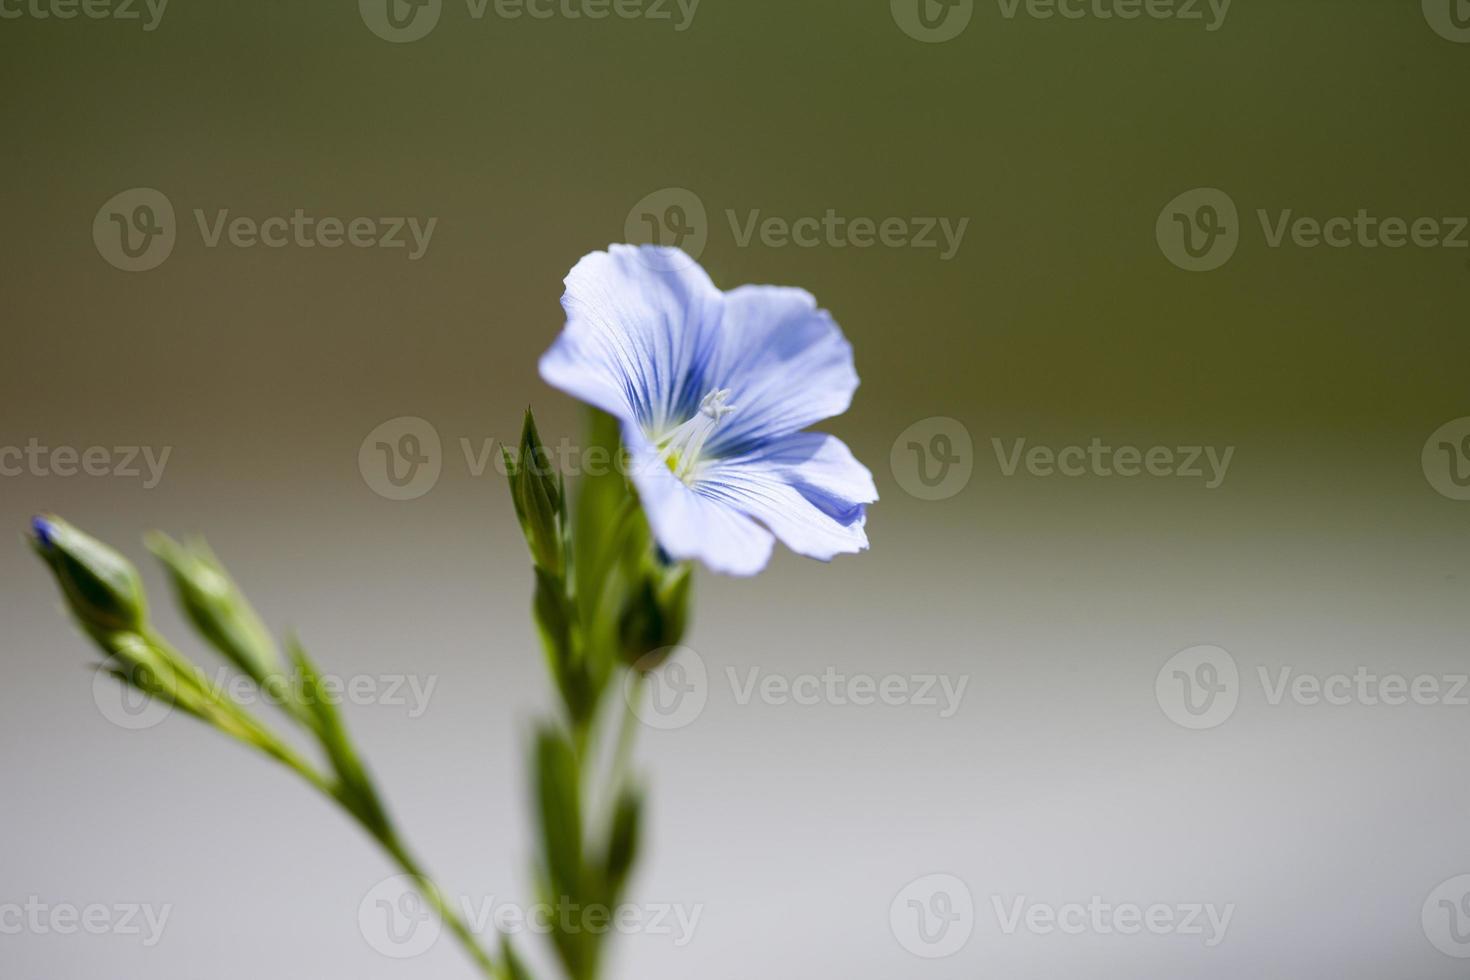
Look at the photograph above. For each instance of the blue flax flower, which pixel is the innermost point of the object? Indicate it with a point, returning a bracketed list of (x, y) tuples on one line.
[(712, 390)]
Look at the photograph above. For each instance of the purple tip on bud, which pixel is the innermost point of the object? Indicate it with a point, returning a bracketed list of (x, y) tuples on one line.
[(43, 531)]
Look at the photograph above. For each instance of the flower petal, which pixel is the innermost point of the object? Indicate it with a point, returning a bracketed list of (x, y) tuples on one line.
[(691, 526), (787, 363), (807, 488), (642, 327)]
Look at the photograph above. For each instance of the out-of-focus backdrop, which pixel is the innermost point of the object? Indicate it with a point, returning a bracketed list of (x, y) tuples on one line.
[(1205, 720)]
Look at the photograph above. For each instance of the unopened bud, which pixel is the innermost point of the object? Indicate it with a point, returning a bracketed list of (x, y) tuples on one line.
[(217, 608), (101, 587), (538, 493), (655, 616)]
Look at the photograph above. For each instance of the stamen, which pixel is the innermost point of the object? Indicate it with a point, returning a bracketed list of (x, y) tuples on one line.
[(681, 450)]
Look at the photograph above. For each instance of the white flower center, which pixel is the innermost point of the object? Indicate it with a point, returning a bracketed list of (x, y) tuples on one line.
[(681, 449)]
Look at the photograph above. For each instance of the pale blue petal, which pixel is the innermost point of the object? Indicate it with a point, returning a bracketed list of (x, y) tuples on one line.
[(807, 488), (786, 362), (648, 335), (690, 526), (642, 327)]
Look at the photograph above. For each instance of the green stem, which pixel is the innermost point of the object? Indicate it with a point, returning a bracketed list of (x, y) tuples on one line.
[(233, 720), (436, 898), (388, 839), (627, 729)]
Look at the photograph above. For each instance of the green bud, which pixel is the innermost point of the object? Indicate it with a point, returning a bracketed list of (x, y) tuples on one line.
[(539, 496), (101, 587), (217, 608), (655, 616)]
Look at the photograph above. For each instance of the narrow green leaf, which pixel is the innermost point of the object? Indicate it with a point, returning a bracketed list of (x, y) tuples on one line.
[(558, 801), (602, 499), (511, 966), (354, 787), (623, 842)]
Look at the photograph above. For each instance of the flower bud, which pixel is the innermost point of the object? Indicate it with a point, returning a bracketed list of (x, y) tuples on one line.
[(655, 615), (538, 494), (217, 608), (101, 587)]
